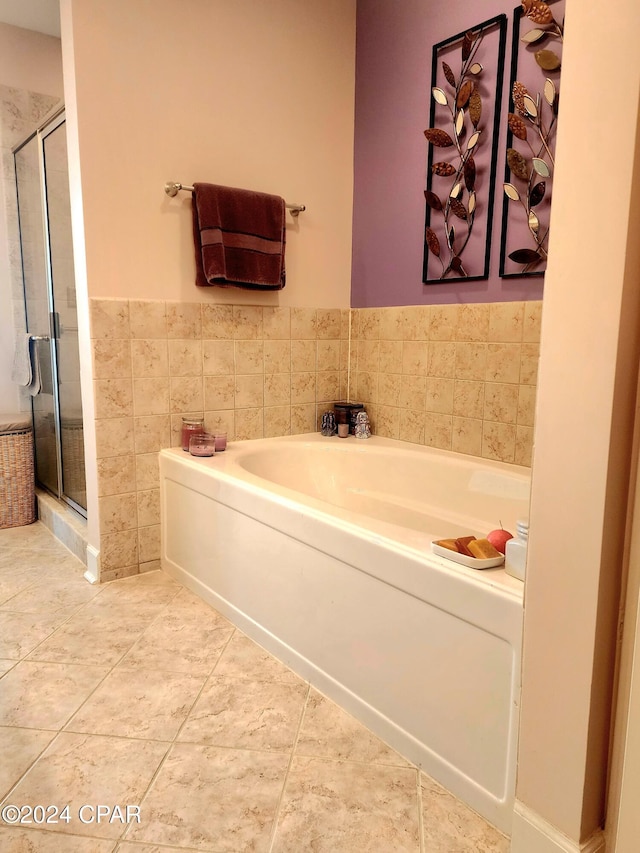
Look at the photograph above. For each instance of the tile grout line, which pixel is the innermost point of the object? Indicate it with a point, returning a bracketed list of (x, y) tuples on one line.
[(174, 741), (276, 814)]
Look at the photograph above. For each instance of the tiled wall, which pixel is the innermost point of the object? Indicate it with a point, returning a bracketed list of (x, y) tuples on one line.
[(254, 372), (458, 377)]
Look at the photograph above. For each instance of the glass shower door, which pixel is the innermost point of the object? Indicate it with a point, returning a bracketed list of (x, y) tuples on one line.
[(50, 300), (34, 274), (64, 317)]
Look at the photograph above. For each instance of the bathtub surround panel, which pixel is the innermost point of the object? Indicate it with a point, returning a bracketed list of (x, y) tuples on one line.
[(400, 611), (460, 378)]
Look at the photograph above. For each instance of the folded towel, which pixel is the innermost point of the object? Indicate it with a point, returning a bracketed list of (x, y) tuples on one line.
[(21, 373), (239, 237)]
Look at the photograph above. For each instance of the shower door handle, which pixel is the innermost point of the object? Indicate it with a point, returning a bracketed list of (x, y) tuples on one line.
[(40, 337)]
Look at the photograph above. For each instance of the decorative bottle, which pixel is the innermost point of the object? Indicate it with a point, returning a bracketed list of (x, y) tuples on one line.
[(516, 551)]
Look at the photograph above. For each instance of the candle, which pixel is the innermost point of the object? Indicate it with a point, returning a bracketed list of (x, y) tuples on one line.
[(221, 441)]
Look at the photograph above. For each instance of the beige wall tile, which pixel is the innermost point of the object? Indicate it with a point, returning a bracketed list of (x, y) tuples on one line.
[(149, 358), (369, 356), (471, 361), (441, 359), (277, 421), (114, 437), (277, 356), (532, 322), (148, 318), (526, 405), (185, 358), (328, 385), (186, 394), (500, 402), (529, 358), (524, 446), (219, 392), (147, 471), (506, 320), (411, 427), (223, 421), (276, 324), (355, 323), (109, 318), (328, 323), (391, 324), (416, 320), (149, 543), (390, 357), (345, 323), (113, 398), (118, 574), (389, 385), (152, 433), (415, 358), (367, 387), (148, 507), (467, 436), (468, 399), (118, 550), (503, 362), (413, 393), (303, 388), (443, 324), (303, 356), (247, 322), (277, 389), (184, 320), (151, 396), (217, 322), (249, 392), (386, 421), (328, 355), (439, 396), (438, 430), (111, 359), (218, 358), (249, 356), (369, 324), (303, 324), (303, 419), (473, 322), (498, 441), (118, 512), (116, 475)]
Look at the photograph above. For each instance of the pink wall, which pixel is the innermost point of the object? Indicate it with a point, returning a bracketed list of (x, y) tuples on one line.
[(393, 82)]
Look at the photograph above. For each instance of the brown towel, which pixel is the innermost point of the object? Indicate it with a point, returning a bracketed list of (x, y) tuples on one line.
[(239, 238)]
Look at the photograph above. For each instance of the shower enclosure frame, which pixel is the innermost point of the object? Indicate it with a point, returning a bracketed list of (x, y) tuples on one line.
[(52, 123)]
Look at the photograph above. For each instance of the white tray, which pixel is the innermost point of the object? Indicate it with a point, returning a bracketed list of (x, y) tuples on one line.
[(470, 562)]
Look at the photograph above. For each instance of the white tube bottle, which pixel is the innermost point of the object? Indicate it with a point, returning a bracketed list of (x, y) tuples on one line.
[(516, 551)]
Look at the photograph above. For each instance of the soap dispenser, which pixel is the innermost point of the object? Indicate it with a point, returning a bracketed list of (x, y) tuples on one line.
[(516, 551)]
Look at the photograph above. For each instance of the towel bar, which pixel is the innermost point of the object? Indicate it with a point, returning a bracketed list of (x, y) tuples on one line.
[(172, 188)]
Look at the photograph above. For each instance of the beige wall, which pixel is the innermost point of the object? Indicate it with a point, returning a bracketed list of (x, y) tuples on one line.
[(30, 67), (585, 408), (248, 94)]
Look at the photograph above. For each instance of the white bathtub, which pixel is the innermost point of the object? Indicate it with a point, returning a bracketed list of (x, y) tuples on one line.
[(319, 549)]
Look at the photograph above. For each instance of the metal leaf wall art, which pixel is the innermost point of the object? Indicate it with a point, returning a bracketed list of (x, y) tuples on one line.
[(466, 85), (532, 126)]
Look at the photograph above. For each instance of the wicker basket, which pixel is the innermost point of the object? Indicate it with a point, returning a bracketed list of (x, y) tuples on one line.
[(17, 483)]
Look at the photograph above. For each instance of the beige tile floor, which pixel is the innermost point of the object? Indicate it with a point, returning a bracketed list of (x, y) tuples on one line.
[(137, 693)]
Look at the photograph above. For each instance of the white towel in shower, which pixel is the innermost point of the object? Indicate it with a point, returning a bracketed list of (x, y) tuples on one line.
[(26, 365)]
